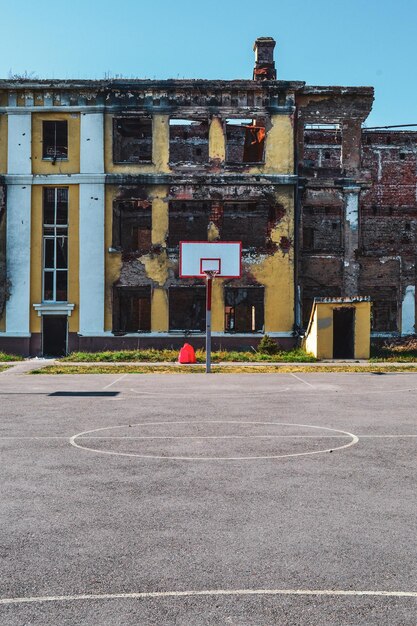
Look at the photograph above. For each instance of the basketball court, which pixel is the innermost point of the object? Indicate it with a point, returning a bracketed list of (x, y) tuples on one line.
[(194, 499)]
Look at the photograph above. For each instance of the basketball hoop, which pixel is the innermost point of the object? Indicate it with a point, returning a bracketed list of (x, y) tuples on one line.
[(205, 259)]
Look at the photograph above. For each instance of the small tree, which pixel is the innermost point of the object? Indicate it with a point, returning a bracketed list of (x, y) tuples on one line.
[(267, 345)]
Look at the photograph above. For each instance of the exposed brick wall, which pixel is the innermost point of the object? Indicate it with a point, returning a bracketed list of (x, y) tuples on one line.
[(385, 256)]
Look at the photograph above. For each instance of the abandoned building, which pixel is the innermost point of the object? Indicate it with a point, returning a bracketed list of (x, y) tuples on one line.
[(101, 180)]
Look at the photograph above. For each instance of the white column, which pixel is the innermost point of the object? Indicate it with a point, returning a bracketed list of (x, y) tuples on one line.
[(408, 311), (92, 259), (92, 143), (18, 223), (18, 220), (19, 143)]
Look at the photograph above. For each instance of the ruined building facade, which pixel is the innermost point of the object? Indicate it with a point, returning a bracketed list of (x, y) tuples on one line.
[(100, 180)]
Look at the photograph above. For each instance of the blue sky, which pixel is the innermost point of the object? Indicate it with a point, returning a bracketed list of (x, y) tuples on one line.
[(323, 42)]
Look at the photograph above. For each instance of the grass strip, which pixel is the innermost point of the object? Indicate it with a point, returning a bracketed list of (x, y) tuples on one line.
[(4, 357), (154, 356), (232, 369)]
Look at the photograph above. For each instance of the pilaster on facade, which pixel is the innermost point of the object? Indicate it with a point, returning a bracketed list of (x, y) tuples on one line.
[(351, 265)]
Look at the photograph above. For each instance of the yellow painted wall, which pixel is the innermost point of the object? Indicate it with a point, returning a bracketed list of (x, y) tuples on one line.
[(74, 257), (276, 271), (279, 147), (3, 143), (70, 166), (217, 145), (113, 260), (319, 340), (36, 254), (160, 148)]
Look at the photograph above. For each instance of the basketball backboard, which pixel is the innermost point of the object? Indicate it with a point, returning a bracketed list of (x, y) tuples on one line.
[(222, 258)]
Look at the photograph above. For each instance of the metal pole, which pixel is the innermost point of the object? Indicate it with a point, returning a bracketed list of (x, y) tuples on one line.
[(208, 324)]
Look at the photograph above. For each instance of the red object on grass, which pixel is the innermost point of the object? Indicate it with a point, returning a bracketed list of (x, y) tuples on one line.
[(187, 354)]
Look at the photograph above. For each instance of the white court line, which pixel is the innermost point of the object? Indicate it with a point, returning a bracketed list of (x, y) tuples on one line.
[(301, 380), (212, 592), (354, 440), (221, 395), (65, 437), (115, 381)]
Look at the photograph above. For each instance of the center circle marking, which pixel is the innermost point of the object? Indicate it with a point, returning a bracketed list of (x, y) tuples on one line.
[(75, 440)]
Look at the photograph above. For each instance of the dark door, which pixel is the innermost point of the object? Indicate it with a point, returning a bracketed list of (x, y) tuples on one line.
[(343, 333), (54, 335)]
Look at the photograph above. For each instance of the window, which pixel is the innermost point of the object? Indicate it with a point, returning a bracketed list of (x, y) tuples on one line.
[(248, 222), (132, 225), (188, 141), (131, 309), (244, 309), (132, 140), (187, 308), (188, 221), (245, 141), (55, 244), (55, 140)]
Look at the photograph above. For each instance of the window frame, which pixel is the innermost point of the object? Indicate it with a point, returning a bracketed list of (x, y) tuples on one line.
[(55, 156), (53, 231)]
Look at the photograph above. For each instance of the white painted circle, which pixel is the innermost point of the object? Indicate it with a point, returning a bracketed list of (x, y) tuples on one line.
[(338, 433)]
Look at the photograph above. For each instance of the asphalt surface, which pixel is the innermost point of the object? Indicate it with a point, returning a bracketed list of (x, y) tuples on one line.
[(279, 498)]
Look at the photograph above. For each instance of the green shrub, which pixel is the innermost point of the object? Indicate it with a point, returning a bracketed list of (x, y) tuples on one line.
[(267, 345)]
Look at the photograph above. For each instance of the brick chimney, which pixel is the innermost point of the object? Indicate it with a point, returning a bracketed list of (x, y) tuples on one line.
[(264, 59)]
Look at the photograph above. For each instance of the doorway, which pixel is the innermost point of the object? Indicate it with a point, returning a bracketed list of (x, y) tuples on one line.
[(54, 335), (344, 333)]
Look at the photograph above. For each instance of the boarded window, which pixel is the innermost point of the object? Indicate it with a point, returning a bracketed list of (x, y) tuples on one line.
[(244, 309), (132, 140), (55, 140), (131, 309), (188, 141), (132, 225), (245, 141), (187, 308), (248, 222), (188, 221)]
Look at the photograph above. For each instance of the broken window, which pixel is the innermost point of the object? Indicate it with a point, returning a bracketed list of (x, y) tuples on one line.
[(55, 140), (244, 309), (187, 308), (188, 221), (188, 141), (322, 145), (55, 244), (245, 141), (248, 222), (132, 225), (132, 140), (131, 309)]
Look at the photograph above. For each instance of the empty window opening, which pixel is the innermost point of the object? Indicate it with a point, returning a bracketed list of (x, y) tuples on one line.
[(248, 222), (131, 309), (188, 221), (407, 226), (187, 308), (245, 140), (244, 309), (55, 140), (132, 140), (55, 244), (188, 141), (402, 156), (327, 156), (132, 225)]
